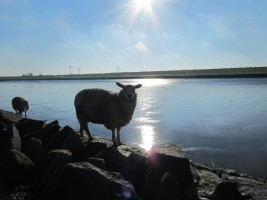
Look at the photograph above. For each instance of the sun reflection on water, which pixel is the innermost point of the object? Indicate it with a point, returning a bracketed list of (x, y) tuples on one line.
[(148, 135), (147, 119), (153, 82)]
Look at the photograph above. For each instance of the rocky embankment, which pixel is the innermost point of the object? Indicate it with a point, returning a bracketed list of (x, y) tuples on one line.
[(45, 161)]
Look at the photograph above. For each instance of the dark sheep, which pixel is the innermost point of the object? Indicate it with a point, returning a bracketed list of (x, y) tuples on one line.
[(20, 105), (113, 110)]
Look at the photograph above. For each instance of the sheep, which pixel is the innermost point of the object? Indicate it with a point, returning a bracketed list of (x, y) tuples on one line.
[(113, 110), (20, 105)]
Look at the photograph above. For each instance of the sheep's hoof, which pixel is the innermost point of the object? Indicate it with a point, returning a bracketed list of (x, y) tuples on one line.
[(115, 145)]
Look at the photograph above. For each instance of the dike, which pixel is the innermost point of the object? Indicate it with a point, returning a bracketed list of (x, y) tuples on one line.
[(40, 161)]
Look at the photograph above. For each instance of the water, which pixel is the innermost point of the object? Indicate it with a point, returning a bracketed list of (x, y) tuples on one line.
[(216, 121)]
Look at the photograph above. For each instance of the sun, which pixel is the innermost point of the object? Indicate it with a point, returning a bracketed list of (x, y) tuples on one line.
[(139, 11), (144, 5)]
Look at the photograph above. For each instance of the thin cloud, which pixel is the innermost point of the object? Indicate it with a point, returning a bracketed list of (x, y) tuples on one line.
[(141, 46)]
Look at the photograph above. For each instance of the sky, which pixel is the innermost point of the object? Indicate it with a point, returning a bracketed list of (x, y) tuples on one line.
[(56, 37)]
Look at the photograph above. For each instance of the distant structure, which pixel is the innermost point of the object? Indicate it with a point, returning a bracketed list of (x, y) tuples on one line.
[(28, 74), (70, 69)]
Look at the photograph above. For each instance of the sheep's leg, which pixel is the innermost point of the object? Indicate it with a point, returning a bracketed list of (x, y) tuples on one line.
[(25, 115), (85, 127), (118, 136), (114, 137), (81, 130)]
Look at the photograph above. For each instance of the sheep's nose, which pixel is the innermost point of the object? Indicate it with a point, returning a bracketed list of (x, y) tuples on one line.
[(130, 96)]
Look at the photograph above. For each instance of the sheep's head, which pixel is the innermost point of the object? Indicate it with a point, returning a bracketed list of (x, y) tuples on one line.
[(128, 91)]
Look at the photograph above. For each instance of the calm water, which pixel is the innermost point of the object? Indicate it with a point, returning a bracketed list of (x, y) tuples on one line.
[(216, 121)]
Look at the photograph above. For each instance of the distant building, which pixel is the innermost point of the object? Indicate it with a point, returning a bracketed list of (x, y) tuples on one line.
[(28, 74)]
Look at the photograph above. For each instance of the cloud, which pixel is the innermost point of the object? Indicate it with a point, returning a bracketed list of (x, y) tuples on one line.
[(141, 46), (222, 26)]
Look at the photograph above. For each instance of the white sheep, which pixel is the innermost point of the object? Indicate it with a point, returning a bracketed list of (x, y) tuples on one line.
[(113, 110), (20, 105)]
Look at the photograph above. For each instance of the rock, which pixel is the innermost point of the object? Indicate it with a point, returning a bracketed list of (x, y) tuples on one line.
[(169, 188), (135, 170), (26, 126), (16, 167), (49, 174), (9, 139), (48, 134), (169, 149), (101, 140), (55, 160), (250, 187), (92, 148), (33, 149), (90, 182), (179, 166), (67, 138), (9, 118), (207, 182), (151, 183), (227, 190), (2, 126), (98, 162), (130, 162), (113, 157)]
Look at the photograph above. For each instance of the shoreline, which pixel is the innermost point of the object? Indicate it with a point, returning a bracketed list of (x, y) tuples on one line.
[(249, 72)]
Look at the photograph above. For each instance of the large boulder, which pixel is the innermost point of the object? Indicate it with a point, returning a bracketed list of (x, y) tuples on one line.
[(178, 165), (92, 148), (249, 187), (113, 157), (33, 149), (49, 174), (135, 170), (16, 167), (26, 126), (130, 162), (169, 188), (85, 181), (48, 134), (9, 118), (67, 138), (9, 139), (227, 190)]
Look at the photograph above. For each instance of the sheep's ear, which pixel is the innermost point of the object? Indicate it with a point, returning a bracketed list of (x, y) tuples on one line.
[(120, 85), (138, 86)]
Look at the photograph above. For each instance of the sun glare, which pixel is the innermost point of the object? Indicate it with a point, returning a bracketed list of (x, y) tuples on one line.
[(140, 9), (143, 4), (150, 82), (148, 135)]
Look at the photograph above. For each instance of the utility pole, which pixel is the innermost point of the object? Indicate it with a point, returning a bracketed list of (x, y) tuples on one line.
[(79, 70)]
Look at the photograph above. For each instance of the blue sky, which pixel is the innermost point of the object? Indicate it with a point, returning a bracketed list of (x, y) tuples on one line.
[(102, 36)]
